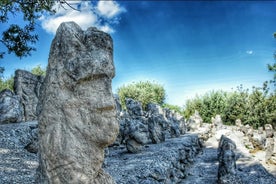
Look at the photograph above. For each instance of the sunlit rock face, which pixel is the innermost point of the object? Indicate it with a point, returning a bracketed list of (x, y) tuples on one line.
[(27, 87), (11, 110), (78, 116)]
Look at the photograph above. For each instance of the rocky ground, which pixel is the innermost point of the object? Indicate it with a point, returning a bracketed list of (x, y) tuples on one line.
[(17, 164), (166, 162), (156, 163), (250, 167)]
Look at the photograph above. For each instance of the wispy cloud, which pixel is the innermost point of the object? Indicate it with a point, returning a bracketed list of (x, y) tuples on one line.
[(102, 15), (109, 9), (250, 52)]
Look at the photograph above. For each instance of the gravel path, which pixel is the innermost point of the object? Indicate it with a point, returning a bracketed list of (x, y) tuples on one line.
[(204, 170), (249, 167), (17, 165)]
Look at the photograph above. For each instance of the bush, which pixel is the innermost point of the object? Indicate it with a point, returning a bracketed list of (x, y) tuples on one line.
[(208, 105), (7, 83), (144, 92), (236, 106), (256, 108), (175, 108), (37, 70)]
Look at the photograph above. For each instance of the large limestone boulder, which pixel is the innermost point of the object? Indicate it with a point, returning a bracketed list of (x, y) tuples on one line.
[(11, 110), (78, 114), (27, 87)]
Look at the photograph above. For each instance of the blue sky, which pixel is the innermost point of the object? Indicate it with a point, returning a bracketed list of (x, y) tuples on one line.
[(188, 47)]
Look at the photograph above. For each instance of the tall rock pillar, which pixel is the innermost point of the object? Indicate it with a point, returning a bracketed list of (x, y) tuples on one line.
[(77, 118)]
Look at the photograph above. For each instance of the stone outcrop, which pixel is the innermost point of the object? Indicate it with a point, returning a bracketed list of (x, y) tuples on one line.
[(261, 139), (227, 162), (27, 87), (11, 110), (166, 162), (217, 122), (194, 122), (269, 143), (154, 125), (78, 115)]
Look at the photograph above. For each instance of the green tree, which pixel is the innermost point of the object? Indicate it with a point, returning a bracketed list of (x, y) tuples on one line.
[(7, 84), (175, 108), (144, 92), (208, 105), (19, 39), (272, 67), (236, 106), (37, 70)]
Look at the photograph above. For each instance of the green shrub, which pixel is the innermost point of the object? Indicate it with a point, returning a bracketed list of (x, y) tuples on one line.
[(7, 83), (175, 108), (37, 70), (255, 108), (144, 92), (236, 106), (208, 105)]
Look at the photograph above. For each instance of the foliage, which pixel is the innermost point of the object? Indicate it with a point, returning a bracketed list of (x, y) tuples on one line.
[(175, 108), (7, 84), (272, 68), (144, 92), (208, 105), (235, 106), (19, 39), (255, 108), (38, 70)]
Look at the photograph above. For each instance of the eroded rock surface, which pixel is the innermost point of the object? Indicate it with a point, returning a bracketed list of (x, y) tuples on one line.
[(139, 127), (11, 110), (27, 87), (194, 122), (166, 162), (78, 115), (227, 162)]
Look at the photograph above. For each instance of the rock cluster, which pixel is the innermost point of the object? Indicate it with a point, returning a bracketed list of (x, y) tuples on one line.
[(11, 110), (138, 127), (22, 104), (260, 139), (78, 115)]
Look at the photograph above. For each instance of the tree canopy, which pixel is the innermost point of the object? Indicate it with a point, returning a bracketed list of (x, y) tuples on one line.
[(144, 92), (20, 39)]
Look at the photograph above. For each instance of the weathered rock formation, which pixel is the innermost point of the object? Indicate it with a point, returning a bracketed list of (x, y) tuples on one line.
[(27, 87), (154, 125), (10, 107), (269, 144), (227, 162), (217, 122), (78, 115), (194, 122), (166, 162)]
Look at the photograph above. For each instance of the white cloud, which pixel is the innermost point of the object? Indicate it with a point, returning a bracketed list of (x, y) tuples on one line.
[(87, 16), (109, 9), (106, 28), (250, 52)]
